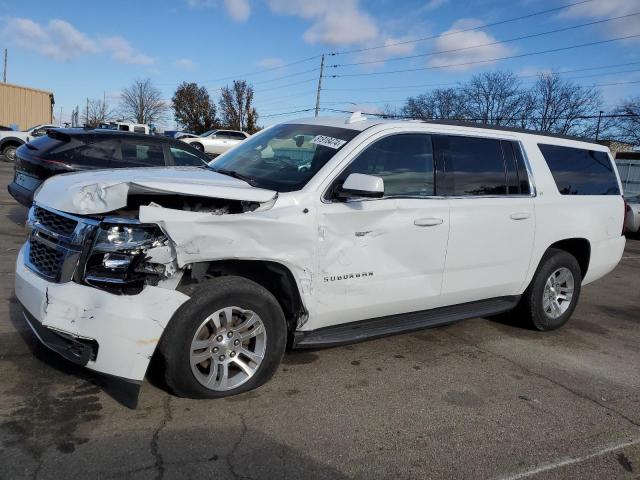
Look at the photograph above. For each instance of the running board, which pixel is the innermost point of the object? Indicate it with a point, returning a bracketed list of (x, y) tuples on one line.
[(395, 324)]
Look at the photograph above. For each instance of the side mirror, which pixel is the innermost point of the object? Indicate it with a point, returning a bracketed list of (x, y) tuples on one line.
[(299, 140), (358, 185)]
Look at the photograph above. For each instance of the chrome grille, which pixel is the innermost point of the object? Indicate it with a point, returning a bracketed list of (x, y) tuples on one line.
[(47, 260), (54, 222), (57, 242)]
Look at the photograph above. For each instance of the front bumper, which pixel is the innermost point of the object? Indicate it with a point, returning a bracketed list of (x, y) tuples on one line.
[(108, 333)]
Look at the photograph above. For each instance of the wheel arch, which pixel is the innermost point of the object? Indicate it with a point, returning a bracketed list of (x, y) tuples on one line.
[(11, 141), (580, 248), (275, 277)]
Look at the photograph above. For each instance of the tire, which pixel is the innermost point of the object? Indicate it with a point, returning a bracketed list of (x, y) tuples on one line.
[(536, 305), (9, 153), (192, 336), (198, 146)]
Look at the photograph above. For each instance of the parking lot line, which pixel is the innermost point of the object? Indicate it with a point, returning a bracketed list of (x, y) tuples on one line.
[(545, 467)]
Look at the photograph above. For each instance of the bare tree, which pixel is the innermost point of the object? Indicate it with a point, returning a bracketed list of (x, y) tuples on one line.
[(562, 106), (236, 107), (97, 112), (493, 97), (627, 127), (193, 108), (141, 102), (442, 103)]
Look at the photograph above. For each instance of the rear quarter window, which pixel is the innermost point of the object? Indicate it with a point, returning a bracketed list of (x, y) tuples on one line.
[(579, 171)]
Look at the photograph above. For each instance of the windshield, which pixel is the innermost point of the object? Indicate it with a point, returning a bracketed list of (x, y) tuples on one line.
[(285, 157)]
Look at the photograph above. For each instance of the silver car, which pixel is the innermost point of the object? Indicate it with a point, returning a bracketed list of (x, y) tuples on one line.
[(632, 214), (215, 142)]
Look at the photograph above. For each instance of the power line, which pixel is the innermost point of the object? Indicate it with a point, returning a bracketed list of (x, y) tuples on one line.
[(490, 60), (374, 102), (264, 70), (534, 75), (446, 34), (286, 85), (288, 113), (497, 42)]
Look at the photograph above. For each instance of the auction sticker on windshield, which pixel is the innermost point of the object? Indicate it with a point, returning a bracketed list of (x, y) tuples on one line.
[(330, 142)]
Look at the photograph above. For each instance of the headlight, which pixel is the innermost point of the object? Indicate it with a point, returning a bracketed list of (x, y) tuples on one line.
[(117, 261), (125, 237)]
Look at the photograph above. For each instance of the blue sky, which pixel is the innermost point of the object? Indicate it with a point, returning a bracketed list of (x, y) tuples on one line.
[(80, 49)]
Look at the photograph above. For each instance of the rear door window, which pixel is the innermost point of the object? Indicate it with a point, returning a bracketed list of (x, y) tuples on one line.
[(474, 166), (143, 153), (578, 171), (184, 158), (98, 154)]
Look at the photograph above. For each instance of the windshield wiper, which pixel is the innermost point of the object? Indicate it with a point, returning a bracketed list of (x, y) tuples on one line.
[(234, 174)]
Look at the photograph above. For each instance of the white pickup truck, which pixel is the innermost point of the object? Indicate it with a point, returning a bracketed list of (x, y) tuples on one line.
[(376, 227), (10, 140)]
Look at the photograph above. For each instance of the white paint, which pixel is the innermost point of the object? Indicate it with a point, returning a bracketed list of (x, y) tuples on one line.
[(126, 327), (106, 190), (565, 462)]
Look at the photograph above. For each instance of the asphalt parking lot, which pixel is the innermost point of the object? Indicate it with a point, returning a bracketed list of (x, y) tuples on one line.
[(478, 399)]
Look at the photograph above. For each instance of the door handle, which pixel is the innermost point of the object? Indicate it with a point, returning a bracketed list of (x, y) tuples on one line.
[(428, 222), (520, 215)]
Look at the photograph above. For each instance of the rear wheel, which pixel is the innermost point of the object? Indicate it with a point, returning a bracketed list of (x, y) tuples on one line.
[(553, 293), (9, 153), (228, 338), (198, 146)]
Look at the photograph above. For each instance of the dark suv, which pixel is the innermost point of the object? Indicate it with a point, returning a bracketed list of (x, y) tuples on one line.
[(71, 150)]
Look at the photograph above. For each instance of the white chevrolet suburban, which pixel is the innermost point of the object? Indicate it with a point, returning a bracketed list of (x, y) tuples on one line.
[(314, 233)]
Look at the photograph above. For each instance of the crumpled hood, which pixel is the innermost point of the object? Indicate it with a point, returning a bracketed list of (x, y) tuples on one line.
[(103, 191)]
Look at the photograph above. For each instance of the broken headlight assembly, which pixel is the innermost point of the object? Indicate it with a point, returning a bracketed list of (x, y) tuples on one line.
[(118, 262)]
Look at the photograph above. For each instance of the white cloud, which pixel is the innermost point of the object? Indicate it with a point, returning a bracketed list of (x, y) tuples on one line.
[(608, 8), (394, 46), (271, 62), (239, 10), (57, 40), (185, 64), (334, 22), (61, 41), (122, 51), (450, 46), (433, 4)]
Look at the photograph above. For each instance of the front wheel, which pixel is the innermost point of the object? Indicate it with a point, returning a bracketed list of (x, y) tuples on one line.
[(198, 146), (553, 293), (227, 339)]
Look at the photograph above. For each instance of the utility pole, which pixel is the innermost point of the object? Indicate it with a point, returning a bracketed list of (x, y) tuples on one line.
[(598, 127), (319, 84), (86, 119), (4, 75), (60, 119)]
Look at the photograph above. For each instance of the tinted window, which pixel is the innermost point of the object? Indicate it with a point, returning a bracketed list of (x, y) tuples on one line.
[(237, 135), (142, 153), (474, 166), (404, 162), (223, 135), (139, 130), (580, 172), (99, 154), (511, 167), (523, 174), (183, 158)]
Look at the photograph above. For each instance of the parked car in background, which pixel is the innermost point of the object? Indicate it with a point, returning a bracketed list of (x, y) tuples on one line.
[(215, 142), (632, 214), (126, 127), (10, 140), (390, 227), (72, 150)]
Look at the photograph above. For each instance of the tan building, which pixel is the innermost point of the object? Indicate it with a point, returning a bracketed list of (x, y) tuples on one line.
[(24, 106)]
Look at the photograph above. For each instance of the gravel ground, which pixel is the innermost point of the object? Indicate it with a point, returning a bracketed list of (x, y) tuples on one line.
[(478, 399)]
